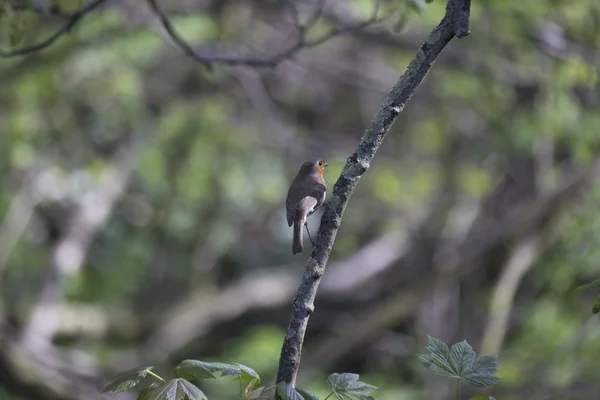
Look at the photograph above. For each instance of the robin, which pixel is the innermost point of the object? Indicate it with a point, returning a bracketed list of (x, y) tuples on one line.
[(307, 193)]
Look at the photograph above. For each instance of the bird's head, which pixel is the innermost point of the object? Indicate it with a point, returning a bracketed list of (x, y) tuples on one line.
[(314, 167)]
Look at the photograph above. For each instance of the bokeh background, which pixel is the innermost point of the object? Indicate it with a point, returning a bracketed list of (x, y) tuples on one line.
[(142, 217)]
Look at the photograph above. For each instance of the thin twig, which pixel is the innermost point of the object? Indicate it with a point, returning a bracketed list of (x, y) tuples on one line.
[(276, 59), (72, 20), (208, 59), (269, 61), (356, 165), (315, 16), (295, 13), (178, 40)]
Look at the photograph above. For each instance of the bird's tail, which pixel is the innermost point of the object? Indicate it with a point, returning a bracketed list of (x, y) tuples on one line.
[(297, 241)]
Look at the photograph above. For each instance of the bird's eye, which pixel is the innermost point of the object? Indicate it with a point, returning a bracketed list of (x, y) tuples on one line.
[(320, 162)]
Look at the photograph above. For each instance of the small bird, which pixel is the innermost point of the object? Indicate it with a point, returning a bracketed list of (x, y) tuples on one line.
[(307, 193)]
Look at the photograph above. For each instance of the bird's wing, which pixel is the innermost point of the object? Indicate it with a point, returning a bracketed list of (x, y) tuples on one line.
[(305, 206), (289, 209), (317, 191)]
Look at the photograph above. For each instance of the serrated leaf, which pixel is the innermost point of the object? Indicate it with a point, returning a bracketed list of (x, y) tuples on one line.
[(145, 392), (460, 362), (486, 364), (346, 386), (177, 389), (249, 378), (307, 394), (436, 366), (437, 358), (127, 380), (588, 286), (194, 369), (481, 380), (462, 357), (287, 392)]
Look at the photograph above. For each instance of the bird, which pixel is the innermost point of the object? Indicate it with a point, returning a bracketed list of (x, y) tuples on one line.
[(307, 193)]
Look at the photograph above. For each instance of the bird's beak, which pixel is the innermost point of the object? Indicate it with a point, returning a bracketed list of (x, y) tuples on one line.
[(326, 164)]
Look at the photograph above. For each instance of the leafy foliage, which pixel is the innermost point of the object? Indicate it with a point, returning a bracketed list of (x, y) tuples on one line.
[(145, 392), (347, 387), (127, 380), (460, 362), (181, 388), (177, 389), (344, 386), (195, 369)]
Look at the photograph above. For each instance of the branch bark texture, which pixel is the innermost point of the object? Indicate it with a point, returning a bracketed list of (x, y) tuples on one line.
[(454, 23)]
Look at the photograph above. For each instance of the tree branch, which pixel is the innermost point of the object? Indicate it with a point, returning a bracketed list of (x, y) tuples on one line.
[(178, 40), (72, 20), (208, 60), (454, 23)]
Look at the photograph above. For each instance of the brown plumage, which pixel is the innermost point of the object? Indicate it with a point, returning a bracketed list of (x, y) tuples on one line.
[(307, 193)]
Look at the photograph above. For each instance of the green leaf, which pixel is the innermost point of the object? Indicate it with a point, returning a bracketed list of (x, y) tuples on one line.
[(287, 392), (307, 394), (145, 392), (588, 286), (347, 387), (462, 357), (127, 380), (480, 380), (460, 362), (486, 364), (248, 377), (194, 369), (177, 389), (437, 358)]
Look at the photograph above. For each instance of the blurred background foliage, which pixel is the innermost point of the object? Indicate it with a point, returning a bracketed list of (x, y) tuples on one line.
[(142, 196)]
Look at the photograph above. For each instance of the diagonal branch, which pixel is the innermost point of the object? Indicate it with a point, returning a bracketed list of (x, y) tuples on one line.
[(454, 23), (72, 20)]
